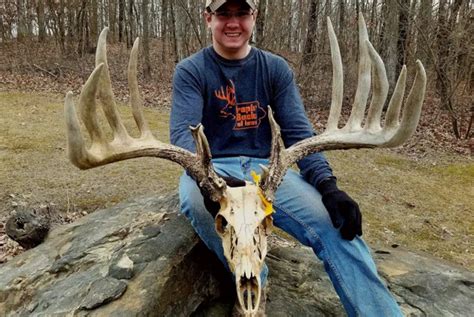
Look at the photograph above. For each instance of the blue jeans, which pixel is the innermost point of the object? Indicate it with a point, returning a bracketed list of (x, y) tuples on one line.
[(300, 212)]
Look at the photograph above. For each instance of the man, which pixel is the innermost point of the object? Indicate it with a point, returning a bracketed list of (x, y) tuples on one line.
[(226, 87)]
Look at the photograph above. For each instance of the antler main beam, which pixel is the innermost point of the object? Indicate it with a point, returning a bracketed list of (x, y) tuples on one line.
[(123, 146), (353, 134)]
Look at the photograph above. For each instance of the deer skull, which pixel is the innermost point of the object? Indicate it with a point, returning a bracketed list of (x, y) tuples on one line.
[(243, 223)]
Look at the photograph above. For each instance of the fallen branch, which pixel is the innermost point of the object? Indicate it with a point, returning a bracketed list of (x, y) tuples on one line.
[(45, 71)]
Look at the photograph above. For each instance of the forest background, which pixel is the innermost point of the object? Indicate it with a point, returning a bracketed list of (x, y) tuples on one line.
[(47, 48)]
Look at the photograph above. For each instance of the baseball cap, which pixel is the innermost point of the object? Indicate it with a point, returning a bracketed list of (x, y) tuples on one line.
[(213, 5)]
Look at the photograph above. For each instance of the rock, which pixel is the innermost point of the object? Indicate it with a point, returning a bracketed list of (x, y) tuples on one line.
[(143, 258), (27, 228), (426, 286), (137, 258), (30, 226), (299, 286), (422, 285), (102, 291)]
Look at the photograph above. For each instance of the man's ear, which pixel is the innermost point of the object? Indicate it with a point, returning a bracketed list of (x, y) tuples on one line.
[(255, 15), (207, 17)]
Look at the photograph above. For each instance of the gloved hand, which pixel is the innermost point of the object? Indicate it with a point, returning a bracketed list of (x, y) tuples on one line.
[(213, 206), (342, 209)]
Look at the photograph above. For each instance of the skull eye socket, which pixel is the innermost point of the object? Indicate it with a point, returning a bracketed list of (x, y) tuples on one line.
[(221, 224)]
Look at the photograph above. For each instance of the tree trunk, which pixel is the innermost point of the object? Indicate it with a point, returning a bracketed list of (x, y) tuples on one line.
[(444, 84), (425, 23), (21, 20), (164, 29), (390, 36), (3, 36), (373, 21), (341, 32), (146, 40), (41, 21), (131, 24), (121, 20), (82, 29), (403, 30), (112, 10), (309, 49), (93, 26), (173, 32), (192, 21), (260, 28)]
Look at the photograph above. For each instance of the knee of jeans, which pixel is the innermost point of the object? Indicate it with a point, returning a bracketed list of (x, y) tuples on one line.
[(190, 197)]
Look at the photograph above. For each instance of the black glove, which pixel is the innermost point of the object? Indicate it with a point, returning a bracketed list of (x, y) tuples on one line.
[(342, 209), (213, 206)]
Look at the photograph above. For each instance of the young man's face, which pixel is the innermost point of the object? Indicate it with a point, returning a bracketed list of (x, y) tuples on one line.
[(231, 27)]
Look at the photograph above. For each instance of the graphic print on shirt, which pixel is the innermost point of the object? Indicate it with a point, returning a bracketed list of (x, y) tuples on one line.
[(247, 115)]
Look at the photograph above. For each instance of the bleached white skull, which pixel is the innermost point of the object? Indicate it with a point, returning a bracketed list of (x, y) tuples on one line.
[(244, 223)]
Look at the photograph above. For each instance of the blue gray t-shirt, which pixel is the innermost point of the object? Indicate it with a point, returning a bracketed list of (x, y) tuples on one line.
[(230, 98)]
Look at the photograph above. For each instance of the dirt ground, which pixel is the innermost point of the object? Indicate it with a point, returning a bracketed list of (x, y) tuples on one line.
[(423, 202)]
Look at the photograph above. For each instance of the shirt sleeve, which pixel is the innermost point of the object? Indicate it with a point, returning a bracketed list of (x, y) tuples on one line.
[(186, 107), (295, 125)]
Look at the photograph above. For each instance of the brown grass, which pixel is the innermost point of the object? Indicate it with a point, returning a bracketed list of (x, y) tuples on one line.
[(420, 204), (35, 169)]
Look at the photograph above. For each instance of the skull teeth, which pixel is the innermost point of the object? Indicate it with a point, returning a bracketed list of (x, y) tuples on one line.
[(248, 292)]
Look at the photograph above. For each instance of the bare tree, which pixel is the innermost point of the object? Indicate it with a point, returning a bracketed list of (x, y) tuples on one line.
[(341, 30), (164, 28), (445, 84), (308, 53), (112, 8), (186, 9), (403, 31), (56, 10), (373, 23), (41, 20), (173, 32), (146, 40), (260, 27), (93, 25), (425, 21), (121, 20), (21, 20), (132, 28), (389, 36)]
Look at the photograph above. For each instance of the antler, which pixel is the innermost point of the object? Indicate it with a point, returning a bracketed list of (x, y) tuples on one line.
[(353, 134), (228, 95), (123, 146)]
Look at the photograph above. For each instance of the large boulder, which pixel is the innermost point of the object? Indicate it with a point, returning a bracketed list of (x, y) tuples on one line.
[(143, 258)]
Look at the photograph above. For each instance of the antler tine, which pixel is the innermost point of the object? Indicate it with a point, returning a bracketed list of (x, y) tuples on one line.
[(380, 90), (395, 104), (105, 92), (363, 86), (135, 100), (208, 179), (78, 154), (412, 110), (76, 148), (271, 177), (353, 135), (337, 80), (87, 106)]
